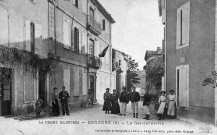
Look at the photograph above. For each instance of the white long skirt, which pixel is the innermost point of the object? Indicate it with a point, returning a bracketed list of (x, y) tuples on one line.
[(161, 108), (171, 108)]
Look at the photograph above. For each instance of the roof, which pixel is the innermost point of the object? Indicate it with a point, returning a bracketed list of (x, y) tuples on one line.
[(103, 11), (149, 54)]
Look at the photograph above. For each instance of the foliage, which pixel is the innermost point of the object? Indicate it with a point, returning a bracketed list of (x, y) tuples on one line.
[(155, 71), (211, 80), (22, 58), (132, 76)]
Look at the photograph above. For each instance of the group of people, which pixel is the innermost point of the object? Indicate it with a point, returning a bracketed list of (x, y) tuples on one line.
[(111, 104), (167, 105), (63, 96)]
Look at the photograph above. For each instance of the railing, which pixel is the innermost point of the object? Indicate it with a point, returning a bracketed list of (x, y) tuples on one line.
[(94, 25), (94, 62)]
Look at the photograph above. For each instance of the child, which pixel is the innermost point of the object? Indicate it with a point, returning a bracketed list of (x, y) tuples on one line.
[(38, 106)]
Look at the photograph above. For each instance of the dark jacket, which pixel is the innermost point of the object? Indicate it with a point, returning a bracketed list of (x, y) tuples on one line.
[(134, 96), (124, 97), (64, 95), (147, 99)]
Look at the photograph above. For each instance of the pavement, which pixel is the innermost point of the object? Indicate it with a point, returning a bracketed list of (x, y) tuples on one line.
[(93, 121)]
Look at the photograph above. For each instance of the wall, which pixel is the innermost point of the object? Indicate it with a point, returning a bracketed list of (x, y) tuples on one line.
[(199, 54)]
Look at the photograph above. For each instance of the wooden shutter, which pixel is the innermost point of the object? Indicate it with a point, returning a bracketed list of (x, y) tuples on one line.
[(66, 32), (3, 26), (28, 35), (183, 87), (32, 37), (178, 27), (76, 39), (84, 83), (76, 82), (67, 79), (186, 15), (72, 39), (38, 39)]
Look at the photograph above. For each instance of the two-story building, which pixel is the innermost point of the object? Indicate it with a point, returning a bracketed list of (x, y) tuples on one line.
[(23, 35), (99, 24), (120, 66), (190, 55)]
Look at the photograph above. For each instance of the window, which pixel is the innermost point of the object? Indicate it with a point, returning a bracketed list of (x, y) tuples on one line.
[(91, 47), (3, 26), (66, 32), (76, 39), (103, 24), (183, 16), (75, 2), (119, 63), (32, 37), (91, 12)]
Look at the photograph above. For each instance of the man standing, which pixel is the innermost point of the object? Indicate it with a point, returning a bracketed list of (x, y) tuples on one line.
[(124, 99), (64, 95), (134, 98), (146, 103)]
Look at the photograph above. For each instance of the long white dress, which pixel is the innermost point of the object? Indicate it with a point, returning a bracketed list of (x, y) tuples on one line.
[(171, 106), (162, 101)]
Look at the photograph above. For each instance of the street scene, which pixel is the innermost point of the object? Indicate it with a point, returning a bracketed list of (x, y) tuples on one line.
[(108, 67)]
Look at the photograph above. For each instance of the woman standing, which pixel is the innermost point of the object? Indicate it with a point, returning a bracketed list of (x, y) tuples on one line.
[(55, 104), (162, 102), (115, 109), (171, 105), (107, 101)]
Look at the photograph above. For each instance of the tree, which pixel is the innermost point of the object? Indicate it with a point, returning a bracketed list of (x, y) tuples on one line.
[(132, 76), (155, 71)]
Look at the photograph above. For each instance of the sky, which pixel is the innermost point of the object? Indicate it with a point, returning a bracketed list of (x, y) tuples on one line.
[(137, 26)]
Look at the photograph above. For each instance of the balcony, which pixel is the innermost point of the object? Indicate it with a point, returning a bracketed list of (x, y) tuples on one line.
[(93, 26), (94, 62)]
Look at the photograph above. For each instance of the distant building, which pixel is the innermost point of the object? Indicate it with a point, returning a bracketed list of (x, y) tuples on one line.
[(152, 59), (120, 66), (142, 77)]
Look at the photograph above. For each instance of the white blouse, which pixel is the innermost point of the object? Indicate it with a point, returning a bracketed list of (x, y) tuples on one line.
[(172, 97)]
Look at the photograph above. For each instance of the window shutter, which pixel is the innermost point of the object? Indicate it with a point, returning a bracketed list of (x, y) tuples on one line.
[(72, 39), (3, 26), (186, 15), (76, 82), (178, 30), (38, 39), (28, 35), (67, 79), (76, 39), (66, 32), (84, 83)]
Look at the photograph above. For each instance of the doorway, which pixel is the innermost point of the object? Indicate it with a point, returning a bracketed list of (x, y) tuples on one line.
[(42, 86), (92, 87), (5, 91), (182, 85)]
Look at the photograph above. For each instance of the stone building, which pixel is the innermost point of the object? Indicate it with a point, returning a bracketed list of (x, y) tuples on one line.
[(190, 55), (120, 66), (61, 42), (23, 29)]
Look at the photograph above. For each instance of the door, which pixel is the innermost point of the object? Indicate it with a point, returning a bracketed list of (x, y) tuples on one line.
[(92, 86), (182, 86), (42, 86), (5, 91)]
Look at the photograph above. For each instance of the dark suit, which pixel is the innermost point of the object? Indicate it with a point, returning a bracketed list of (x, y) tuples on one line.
[(64, 95)]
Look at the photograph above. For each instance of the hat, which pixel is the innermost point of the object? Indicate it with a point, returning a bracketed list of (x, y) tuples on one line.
[(171, 91), (107, 89), (162, 92), (114, 90)]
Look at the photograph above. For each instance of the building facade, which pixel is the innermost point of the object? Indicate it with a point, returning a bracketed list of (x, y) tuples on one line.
[(53, 43), (99, 37), (190, 55), (24, 30), (120, 66)]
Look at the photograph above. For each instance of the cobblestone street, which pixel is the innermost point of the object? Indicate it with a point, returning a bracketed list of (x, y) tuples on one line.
[(94, 121)]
